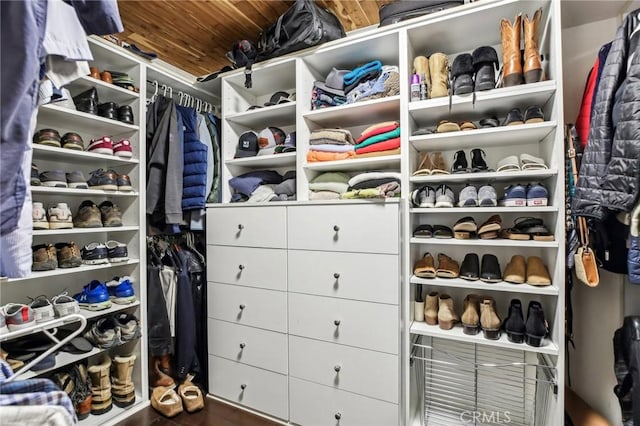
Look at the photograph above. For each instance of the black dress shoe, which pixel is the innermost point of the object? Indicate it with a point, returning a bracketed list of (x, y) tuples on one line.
[(533, 114), (108, 110), (87, 101), (470, 268), (514, 117), (514, 324), (536, 325), (125, 114), (490, 271)]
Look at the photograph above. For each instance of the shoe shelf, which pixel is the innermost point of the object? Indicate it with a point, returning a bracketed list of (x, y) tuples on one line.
[(495, 101), (65, 358), (114, 309), (496, 242), (75, 231), (486, 177), (80, 192), (275, 115), (549, 290), (497, 209), (70, 271), (276, 160), (522, 134), (111, 416), (107, 92), (357, 114), (355, 165), (456, 333), (83, 122), (63, 154)]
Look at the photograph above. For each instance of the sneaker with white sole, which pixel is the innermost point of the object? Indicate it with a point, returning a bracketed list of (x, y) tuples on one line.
[(514, 196), (39, 216), (18, 316), (104, 333), (76, 180), (53, 179), (121, 290), (444, 196), (95, 253), (60, 217), (537, 195), (487, 196), (64, 305), (117, 251), (42, 309), (123, 149), (128, 325), (102, 145), (94, 296), (468, 197), (424, 197), (3, 323)]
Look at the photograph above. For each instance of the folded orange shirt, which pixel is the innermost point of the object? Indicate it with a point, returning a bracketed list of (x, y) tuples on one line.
[(380, 146), (316, 156), (379, 153)]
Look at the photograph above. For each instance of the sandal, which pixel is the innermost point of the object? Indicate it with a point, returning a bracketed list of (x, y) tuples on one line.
[(445, 126), (423, 231), (441, 231), (460, 164), (438, 165), (529, 162), (491, 225), (467, 125), (425, 267), (508, 164), (425, 166), (534, 228)]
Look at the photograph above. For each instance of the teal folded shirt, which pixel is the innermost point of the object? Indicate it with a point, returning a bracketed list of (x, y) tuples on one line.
[(379, 138)]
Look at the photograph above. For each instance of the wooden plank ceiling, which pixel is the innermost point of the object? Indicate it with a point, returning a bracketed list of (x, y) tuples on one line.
[(195, 35)]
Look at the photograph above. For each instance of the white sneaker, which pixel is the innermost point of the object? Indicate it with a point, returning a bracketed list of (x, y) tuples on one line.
[(42, 309), (65, 305), (39, 216), (3, 323), (60, 217)]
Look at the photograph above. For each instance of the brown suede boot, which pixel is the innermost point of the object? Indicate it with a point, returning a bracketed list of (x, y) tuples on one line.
[(511, 56), (100, 387), (447, 316), (515, 272), (431, 308), (532, 65), (421, 67), (489, 319), (157, 377), (439, 70), (471, 314), (165, 364), (123, 389)]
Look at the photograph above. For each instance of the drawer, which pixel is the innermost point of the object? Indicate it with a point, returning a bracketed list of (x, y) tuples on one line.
[(248, 345), (363, 324), (316, 405), (252, 387), (345, 275), (362, 371), (362, 228), (254, 307), (247, 226), (253, 267)]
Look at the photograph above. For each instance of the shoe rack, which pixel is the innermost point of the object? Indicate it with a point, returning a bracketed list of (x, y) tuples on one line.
[(132, 233)]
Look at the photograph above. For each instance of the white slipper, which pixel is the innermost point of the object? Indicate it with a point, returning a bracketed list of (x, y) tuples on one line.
[(530, 162), (508, 164)]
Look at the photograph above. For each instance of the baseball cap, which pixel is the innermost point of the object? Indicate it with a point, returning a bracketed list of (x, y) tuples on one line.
[(268, 139), (289, 144), (280, 97), (247, 145), (334, 83)]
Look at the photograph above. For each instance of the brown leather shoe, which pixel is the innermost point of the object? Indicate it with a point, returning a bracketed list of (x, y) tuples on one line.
[(44, 257), (94, 72), (532, 65), (537, 273), (511, 56), (157, 377), (106, 77), (447, 267)]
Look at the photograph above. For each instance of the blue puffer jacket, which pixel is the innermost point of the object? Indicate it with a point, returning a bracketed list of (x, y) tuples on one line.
[(633, 258), (194, 185)]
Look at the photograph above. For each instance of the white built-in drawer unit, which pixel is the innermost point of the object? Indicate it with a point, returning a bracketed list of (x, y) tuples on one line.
[(254, 387), (253, 267), (248, 345), (254, 307), (317, 405), (369, 228), (365, 372), (247, 226), (369, 277), (348, 322)]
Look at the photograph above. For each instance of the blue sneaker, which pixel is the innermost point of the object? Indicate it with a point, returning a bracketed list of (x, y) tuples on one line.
[(94, 296), (514, 196), (121, 290), (537, 195)]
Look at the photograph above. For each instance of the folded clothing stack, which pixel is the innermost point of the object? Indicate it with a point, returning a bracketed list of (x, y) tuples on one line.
[(286, 190), (373, 185), (321, 98), (378, 140), (328, 186), (386, 83), (255, 186), (330, 145)]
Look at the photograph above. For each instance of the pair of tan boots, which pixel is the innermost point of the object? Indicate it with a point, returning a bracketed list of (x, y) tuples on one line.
[(434, 71), (478, 313), (112, 383)]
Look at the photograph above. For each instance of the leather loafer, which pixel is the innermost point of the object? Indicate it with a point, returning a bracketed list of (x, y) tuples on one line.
[(470, 268), (72, 140), (106, 77), (87, 101), (490, 271), (108, 110), (125, 114), (513, 118), (49, 137)]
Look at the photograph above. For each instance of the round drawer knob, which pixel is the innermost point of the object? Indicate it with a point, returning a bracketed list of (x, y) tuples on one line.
[(240, 227), (338, 416), (242, 306), (336, 322), (243, 386), (242, 345), (241, 267), (336, 275), (336, 228), (337, 368)]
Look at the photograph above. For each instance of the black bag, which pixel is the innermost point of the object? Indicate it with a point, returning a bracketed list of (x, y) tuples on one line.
[(304, 25), (392, 13), (243, 53)]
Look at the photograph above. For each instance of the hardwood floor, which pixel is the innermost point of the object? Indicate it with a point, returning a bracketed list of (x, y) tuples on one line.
[(214, 414)]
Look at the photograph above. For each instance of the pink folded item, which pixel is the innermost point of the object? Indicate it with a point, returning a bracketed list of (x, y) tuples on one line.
[(379, 153), (317, 156), (377, 129), (380, 146)]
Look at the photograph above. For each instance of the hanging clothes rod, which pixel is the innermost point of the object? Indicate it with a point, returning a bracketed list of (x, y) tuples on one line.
[(184, 99)]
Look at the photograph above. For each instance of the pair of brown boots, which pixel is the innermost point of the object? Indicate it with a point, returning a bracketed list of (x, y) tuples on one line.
[(533, 272), (515, 66), (112, 383), (435, 73)]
